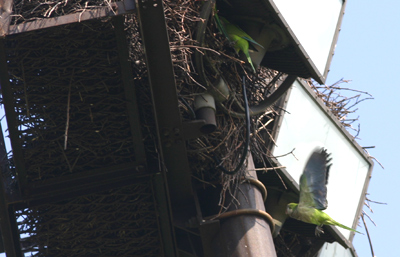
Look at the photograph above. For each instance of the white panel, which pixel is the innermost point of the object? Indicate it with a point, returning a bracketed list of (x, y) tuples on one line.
[(307, 126), (334, 250), (314, 24)]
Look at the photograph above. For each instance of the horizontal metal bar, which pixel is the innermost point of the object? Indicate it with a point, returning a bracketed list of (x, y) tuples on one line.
[(117, 8)]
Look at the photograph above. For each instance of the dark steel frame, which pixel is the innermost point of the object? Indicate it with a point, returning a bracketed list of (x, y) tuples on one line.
[(30, 194)]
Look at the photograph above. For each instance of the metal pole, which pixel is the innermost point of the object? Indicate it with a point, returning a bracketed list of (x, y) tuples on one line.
[(246, 234)]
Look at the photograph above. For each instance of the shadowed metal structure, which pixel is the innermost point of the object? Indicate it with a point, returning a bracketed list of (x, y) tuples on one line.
[(79, 161)]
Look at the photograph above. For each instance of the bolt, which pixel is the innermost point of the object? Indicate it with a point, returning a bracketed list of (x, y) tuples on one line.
[(140, 168), (165, 132)]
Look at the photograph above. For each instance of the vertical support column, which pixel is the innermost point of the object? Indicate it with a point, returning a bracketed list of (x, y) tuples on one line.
[(247, 234), (175, 169), (8, 225), (8, 102), (129, 87), (165, 100)]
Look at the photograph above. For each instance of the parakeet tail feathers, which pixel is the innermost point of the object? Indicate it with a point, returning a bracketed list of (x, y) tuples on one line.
[(250, 61), (345, 227), (252, 41)]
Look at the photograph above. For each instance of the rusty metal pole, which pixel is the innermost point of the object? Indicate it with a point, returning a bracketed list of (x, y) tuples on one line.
[(246, 227)]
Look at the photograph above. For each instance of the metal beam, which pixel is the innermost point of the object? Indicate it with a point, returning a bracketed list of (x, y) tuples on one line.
[(8, 101), (9, 229), (165, 101), (8, 226), (117, 8), (129, 87), (165, 215)]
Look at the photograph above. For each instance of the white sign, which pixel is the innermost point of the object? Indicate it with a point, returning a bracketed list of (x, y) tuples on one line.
[(314, 24), (307, 125)]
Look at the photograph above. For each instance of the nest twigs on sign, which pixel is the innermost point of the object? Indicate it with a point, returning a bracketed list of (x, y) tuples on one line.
[(341, 101)]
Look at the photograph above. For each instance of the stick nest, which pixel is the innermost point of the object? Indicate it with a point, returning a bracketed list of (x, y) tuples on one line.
[(25, 11)]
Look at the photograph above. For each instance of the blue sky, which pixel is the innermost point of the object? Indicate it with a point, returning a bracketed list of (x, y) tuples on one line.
[(367, 54)]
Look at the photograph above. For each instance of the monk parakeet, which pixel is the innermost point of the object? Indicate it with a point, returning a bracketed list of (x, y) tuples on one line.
[(237, 36), (313, 193)]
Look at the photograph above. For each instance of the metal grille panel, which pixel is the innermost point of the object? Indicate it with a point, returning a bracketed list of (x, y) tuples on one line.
[(118, 222), (69, 99)]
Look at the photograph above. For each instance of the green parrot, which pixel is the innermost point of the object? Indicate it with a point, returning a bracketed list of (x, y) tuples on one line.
[(237, 36), (313, 192)]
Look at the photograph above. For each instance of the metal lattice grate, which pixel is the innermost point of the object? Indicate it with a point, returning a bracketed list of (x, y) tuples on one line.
[(118, 222), (69, 99)]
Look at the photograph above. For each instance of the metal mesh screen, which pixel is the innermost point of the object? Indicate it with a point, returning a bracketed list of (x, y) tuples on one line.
[(69, 99), (118, 222)]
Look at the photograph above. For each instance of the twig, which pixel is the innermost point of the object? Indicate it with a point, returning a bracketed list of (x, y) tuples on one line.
[(205, 182), (272, 168), (369, 238), (68, 109), (197, 47), (375, 201), (373, 222), (291, 152)]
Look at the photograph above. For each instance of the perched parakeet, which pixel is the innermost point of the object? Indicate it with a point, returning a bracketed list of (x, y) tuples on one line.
[(237, 36), (313, 193)]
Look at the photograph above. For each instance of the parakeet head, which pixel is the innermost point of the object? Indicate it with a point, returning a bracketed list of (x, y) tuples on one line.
[(290, 208)]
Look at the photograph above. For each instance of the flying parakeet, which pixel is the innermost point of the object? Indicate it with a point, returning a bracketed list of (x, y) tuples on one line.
[(313, 193), (237, 36)]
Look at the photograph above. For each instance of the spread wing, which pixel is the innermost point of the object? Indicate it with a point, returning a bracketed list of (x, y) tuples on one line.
[(314, 179)]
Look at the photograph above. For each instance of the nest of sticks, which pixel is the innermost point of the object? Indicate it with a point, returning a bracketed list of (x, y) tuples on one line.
[(226, 142), (25, 11), (342, 102)]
